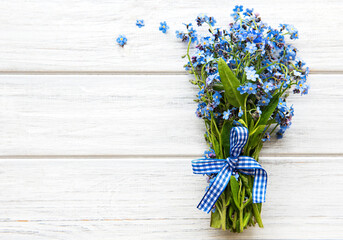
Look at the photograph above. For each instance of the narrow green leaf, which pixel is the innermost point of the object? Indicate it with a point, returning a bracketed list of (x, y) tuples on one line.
[(225, 137), (254, 136), (235, 191), (258, 130), (247, 218), (268, 111), (243, 123), (216, 146), (230, 84)]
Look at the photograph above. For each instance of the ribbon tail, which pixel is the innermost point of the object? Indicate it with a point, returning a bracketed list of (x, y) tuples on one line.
[(260, 186), (249, 166), (215, 190)]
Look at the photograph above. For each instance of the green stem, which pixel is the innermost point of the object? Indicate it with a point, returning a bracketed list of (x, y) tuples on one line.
[(241, 210), (257, 215), (223, 217)]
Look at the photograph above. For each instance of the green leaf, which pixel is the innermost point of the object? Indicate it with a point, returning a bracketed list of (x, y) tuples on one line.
[(225, 137), (227, 196), (235, 191), (254, 136), (215, 219), (258, 130), (251, 126), (268, 111), (218, 87), (216, 146), (230, 84), (243, 123)]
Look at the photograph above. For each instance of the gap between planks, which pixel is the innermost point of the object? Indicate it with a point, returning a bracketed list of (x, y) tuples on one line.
[(298, 155), (295, 158), (329, 72)]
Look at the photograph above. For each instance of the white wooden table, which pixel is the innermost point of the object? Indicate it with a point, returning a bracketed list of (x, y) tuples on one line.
[(96, 140)]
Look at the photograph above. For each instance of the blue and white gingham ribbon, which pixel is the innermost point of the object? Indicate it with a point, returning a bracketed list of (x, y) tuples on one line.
[(225, 168)]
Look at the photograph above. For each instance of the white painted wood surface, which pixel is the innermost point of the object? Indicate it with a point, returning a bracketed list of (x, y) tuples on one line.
[(156, 199), (117, 118), (60, 35), (143, 115)]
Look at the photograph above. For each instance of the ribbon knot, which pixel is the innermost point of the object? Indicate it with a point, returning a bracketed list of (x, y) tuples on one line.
[(226, 167), (232, 163)]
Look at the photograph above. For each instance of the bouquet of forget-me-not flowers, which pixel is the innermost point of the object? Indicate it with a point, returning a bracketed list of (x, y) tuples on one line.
[(244, 74)]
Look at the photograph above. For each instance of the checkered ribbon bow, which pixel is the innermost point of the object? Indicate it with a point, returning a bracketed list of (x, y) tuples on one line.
[(226, 167)]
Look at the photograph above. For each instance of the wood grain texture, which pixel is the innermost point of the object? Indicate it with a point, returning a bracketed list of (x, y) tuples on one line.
[(76, 36), (143, 115), (156, 199)]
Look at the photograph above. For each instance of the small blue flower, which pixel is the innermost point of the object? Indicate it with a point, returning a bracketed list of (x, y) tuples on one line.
[(302, 87), (216, 114), (121, 40), (212, 77), (251, 73), (210, 153), (163, 27), (268, 86), (242, 89), (258, 110), (236, 175), (282, 105), (280, 133), (238, 8), (216, 97), (226, 114), (251, 88), (201, 18), (209, 108), (248, 12), (264, 101), (266, 137), (240, 112), (192, 33), (292, 30), (140, 23), (211, 21), (181, 35), (251, 47), (235, 16)]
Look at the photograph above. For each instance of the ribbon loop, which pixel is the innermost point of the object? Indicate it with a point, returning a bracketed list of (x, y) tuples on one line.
[(225, 167), (238, 139)]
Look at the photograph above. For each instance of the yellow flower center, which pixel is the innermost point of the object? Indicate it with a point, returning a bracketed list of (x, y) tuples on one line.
[(164, 26), (121, 39), (300, 85), (267, 86), (250, 88)]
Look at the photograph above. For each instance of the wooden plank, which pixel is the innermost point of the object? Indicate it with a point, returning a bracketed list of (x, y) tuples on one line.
[(143, 115), (80, 35), (157, 198)]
